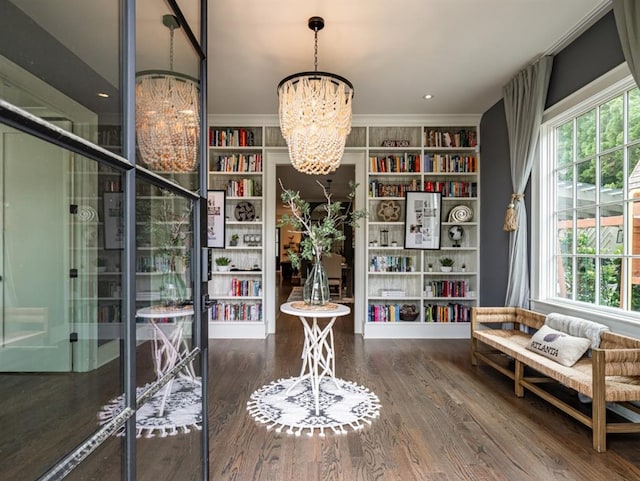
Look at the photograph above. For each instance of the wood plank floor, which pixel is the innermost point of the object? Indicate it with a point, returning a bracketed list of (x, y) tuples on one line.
[(441, 419)]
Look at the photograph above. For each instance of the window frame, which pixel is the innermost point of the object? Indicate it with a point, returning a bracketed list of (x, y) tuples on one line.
[(543, 293)]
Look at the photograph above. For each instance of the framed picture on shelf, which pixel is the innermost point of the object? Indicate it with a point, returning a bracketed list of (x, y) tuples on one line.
[(113, 220), (215, 218), (422, 220)]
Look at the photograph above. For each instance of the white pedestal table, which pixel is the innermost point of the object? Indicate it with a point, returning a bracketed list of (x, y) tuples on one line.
[(318, 356)]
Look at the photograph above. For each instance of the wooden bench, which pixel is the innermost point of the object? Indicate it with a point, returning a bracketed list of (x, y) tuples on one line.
[(610, 375)]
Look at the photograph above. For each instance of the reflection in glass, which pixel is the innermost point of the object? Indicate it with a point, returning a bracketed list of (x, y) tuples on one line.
[(45, 81), (59, 283), (166, 126), (164, 323)]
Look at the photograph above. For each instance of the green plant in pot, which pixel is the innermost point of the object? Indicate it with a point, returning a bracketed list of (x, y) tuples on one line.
[(318, 235), (223, 263), (234, 240), (446, 264)]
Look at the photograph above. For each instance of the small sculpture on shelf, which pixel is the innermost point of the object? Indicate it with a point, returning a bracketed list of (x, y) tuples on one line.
[(456, 233)]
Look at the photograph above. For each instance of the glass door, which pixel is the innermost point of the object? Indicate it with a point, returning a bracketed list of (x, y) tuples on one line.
[(34, 323)]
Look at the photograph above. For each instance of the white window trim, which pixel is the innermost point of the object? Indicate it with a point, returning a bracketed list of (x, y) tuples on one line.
[(597, 92)]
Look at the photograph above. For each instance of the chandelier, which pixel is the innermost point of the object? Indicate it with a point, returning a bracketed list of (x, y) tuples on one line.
[(315, 115), (167, 116)]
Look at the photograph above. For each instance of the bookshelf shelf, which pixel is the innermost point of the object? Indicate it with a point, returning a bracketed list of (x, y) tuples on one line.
[(434, 159), (236, 156)]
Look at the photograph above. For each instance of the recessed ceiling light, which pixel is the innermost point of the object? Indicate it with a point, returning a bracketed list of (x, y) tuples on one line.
[(103, 95), (427, 97)]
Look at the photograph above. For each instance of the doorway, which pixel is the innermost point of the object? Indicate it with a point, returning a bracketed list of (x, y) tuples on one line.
[(290, 280)]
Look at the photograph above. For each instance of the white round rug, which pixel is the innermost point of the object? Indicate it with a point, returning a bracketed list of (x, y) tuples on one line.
[(182, 412), (350, 406)]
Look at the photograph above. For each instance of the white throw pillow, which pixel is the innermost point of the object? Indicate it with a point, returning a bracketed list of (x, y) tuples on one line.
[(558, 346)]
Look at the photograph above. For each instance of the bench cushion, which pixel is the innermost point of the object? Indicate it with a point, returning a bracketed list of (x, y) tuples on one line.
[(578, 377), (558, 346)]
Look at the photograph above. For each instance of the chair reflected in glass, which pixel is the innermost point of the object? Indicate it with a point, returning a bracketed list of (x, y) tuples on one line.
[(333, 267)]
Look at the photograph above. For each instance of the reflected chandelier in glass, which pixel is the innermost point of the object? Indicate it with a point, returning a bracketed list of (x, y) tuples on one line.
[(167, 116), (315, 115)]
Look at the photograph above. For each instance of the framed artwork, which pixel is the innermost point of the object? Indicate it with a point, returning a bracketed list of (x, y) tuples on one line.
[(113, 220), (422, 220), (215, 218)]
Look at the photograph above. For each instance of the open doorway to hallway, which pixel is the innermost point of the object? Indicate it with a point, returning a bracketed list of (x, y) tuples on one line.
[(289, 279)]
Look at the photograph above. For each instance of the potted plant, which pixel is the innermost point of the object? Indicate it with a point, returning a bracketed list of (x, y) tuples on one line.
[(446, 264), (102, 264), (430, 267), (318, 235), (463, 267), (234, 240), (223, 263)]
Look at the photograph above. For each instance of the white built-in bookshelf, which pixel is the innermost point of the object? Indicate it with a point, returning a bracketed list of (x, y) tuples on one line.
[(420, 157), (236, 167), (402, 281)]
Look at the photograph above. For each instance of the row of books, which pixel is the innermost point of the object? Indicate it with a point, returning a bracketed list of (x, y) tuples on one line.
[(109, 313), (223, 311), (379, 189), (239, 163), (153, 263), (446, 289), (390, 264), (243, 188), (384, 312), (448, 313), (438, 163), (395, 163), (231, 137), (452, 188), (450, 138), (244, 288)]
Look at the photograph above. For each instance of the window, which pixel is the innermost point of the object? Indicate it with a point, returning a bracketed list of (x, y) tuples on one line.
[(590, 192)]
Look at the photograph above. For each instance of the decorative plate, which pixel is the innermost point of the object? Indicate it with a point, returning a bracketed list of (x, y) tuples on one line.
[(245, 212), (460, 213), (389, 211)]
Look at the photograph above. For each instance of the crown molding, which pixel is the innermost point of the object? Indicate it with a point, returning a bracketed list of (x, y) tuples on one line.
[(269, 120)]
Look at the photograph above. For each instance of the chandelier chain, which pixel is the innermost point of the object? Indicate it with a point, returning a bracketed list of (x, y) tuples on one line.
[(315, 51), (171, 29)]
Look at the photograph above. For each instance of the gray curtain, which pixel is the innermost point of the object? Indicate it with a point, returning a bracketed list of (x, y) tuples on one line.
[(627, 14), (524, 99)]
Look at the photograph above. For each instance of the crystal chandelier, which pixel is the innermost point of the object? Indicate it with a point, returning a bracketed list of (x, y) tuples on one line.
[(315, 115), (167, 116)]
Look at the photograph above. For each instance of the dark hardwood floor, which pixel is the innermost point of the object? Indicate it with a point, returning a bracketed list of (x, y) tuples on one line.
[(441, 419)]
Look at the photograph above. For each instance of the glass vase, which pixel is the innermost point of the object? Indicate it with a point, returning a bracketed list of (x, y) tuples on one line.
[(172, 289), (316, 287)]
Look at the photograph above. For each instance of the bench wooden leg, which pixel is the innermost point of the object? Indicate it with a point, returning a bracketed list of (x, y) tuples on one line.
[(599, 406), (518, 375), (474, 348)]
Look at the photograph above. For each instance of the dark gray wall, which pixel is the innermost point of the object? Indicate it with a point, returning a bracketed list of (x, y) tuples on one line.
[(592, 54)]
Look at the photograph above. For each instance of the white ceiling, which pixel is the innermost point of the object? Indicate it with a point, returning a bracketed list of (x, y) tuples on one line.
[(460, 51), (394, 52)]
